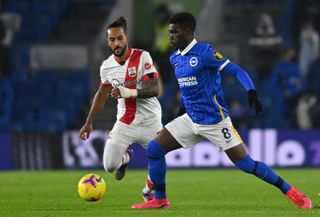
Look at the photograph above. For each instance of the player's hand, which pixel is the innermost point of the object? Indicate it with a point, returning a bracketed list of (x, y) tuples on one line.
[(85, 131), (254, 101), (115, 93), (123, 92)]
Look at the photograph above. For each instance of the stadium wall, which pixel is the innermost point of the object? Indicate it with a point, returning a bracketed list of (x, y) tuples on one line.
[(277, 148)]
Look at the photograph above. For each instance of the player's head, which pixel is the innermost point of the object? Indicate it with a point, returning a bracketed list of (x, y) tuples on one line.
[(181, 28), (117, 38)]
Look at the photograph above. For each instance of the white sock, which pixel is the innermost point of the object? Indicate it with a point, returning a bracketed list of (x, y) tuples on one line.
[(148, 187), (125, 159)]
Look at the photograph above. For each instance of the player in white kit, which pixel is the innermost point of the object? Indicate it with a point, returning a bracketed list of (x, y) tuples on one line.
[(129, 76)]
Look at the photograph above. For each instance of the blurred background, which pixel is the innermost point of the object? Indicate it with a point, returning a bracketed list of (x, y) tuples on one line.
[(51, 52)]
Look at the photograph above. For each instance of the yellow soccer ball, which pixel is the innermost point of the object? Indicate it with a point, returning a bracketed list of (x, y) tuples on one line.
[(91, 187)]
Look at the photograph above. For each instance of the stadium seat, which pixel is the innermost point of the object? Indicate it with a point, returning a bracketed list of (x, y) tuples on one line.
[(17, 6), (53, 119)]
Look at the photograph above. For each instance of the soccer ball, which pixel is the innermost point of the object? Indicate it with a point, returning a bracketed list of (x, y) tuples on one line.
[(91, 187)]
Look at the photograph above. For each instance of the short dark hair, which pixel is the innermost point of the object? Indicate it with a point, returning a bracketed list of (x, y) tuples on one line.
[(120, 22), (185, 20)]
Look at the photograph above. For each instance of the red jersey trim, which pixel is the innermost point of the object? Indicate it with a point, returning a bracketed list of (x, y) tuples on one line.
[(131, 77), (150, 75), (117, 59), (103, 85)]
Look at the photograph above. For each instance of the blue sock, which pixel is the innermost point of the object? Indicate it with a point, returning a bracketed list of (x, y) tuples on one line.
[(157, 168), (262, 171)]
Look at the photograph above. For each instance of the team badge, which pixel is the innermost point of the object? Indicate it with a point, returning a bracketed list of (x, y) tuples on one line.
[(132, 71), (217, 55), (193, 61), (147, 66)]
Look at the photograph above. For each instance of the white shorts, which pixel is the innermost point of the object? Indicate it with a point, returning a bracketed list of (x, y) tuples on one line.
[(125, 135), (187, 133)]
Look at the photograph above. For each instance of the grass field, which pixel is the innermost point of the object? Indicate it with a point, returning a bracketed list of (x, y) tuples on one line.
[(191, 193)]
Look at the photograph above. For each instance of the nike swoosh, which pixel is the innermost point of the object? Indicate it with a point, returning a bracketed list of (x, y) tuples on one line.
[(228, 141)]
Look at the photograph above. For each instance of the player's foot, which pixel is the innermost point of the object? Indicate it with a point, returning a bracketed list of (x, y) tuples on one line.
[(153, 204), (121, 171), (299, 198), (147, 197)]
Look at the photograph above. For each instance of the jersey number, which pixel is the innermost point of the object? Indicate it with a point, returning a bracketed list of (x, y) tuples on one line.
[(226, 133)]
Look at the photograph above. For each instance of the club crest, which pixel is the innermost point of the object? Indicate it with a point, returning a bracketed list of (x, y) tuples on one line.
[(132, 71), (193, 61)]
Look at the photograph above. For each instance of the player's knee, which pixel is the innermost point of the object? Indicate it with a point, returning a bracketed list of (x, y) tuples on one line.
[(109, 166), (247, 165), (154, 150)]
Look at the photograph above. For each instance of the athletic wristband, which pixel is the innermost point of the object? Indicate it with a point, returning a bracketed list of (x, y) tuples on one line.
[(127, 93)]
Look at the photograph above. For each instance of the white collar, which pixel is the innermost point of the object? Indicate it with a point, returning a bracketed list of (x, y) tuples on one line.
[(186, 50)]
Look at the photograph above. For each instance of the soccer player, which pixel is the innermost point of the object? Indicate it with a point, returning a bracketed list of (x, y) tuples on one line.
[(197, 68), (129, 76)]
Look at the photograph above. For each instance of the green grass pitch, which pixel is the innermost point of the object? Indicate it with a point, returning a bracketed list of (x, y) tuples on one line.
[(201, 193)]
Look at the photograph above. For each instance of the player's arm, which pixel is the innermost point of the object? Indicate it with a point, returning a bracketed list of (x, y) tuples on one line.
[(150, 82), (98, 103), (246, 82), (150, 88)]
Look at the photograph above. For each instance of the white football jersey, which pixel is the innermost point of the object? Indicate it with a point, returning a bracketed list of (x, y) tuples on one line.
[(130, 75)]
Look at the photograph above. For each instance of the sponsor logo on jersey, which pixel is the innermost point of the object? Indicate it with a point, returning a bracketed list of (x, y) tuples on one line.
[(193, 61), (116, 83), (217, 55), (132, 71), (147, 66), (188, 81), (227, 141)]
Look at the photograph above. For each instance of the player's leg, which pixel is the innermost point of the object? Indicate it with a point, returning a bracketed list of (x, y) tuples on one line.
[(156, 151), (147, 133), (244, 162), (226, 137), (177, 132), (239, 156), (121, 170), (147, 191), (116, 155)]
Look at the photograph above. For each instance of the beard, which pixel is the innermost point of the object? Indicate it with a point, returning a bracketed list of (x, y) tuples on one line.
[(119, 54)]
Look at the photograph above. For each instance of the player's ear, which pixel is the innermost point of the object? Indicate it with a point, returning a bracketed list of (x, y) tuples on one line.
[(188, 31)]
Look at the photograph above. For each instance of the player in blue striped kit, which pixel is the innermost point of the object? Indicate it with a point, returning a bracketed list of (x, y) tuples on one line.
[(204, 114)]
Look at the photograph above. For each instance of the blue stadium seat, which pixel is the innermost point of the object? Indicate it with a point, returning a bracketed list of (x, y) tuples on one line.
[(17, 6), (72, 90), (81, 77), (49, 77), (53, 119), (21, 57)]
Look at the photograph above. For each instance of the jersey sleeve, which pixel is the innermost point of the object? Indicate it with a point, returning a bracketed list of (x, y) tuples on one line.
[(103, 76), (215, 59), (147, 64)]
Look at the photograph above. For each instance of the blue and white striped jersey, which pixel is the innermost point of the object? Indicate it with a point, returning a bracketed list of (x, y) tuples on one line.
[(197, 69)]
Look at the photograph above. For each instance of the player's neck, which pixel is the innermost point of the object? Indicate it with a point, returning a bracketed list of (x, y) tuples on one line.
[(186, 44), (124, 57)]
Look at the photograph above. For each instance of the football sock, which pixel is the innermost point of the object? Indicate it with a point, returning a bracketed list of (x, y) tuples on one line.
[(262, 171), (125, 159), (157, 168), (148, 187)]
